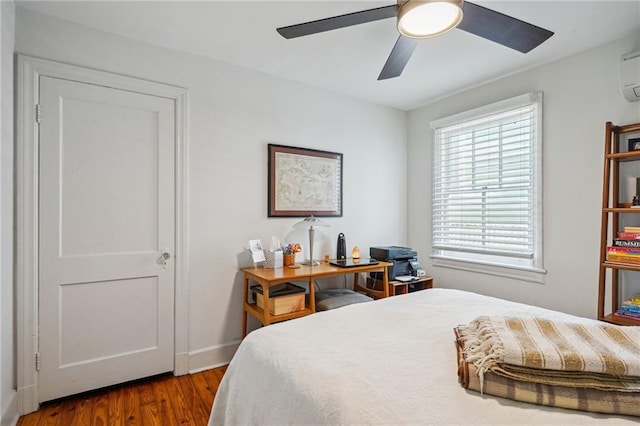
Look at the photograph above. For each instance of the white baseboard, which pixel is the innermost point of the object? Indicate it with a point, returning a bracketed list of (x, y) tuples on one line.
[(212, 357), (10, 411), (28, 400), (181, 364)]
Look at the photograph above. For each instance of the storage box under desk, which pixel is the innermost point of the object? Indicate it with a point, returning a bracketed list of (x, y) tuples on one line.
[(283, 299)]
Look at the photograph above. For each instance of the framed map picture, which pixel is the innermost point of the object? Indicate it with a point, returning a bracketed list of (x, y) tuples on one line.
[(304, 182)]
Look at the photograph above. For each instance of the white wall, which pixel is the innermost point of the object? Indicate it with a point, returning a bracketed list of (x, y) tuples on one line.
[(581, 93), (233, 114), (8, 406)]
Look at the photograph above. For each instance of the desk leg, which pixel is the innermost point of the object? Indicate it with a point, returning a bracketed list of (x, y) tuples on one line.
[(244, 309), (266, 302), (355, 281), (385, 282), (312, 295)]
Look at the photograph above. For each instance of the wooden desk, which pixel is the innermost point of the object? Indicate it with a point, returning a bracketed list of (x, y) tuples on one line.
[(305, 273)]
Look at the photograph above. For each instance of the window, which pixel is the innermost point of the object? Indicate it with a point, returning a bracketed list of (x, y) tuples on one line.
[(487, 189)]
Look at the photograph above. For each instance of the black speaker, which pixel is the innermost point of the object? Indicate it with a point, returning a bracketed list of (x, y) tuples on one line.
[(341, 251)]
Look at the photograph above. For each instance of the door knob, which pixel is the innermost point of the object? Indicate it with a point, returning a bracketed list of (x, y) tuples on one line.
[(164, 256)]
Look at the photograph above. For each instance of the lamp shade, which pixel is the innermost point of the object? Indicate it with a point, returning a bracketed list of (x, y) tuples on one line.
[(310, 221), (428, 18)]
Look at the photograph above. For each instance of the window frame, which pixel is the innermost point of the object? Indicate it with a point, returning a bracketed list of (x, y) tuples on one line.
[(534, 271)]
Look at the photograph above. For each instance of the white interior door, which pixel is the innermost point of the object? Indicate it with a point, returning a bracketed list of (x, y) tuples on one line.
[(106, 198)]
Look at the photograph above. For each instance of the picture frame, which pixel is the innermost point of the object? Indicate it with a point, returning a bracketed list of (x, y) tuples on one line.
[(634, 144), (303, 182)]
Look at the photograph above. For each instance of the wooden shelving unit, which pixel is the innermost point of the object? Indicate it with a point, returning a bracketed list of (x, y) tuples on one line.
[(374, 287), (612, 208)]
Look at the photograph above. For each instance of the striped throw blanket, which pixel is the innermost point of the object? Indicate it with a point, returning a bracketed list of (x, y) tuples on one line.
[(594, 366)]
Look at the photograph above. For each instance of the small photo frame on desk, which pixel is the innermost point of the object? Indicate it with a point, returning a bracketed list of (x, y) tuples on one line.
[(304, 182), (257, 254), (634, 144)]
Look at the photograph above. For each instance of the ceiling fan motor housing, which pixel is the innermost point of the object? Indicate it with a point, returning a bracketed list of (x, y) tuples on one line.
[(428, 18)]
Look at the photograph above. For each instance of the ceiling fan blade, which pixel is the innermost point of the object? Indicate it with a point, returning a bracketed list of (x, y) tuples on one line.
[(341, 21), (398, 58), (502, 29)]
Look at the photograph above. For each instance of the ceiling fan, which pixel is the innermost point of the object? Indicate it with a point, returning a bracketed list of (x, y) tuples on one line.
[(418, 19)]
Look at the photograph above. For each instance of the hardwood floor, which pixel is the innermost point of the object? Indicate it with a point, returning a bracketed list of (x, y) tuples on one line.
[(160, 401)]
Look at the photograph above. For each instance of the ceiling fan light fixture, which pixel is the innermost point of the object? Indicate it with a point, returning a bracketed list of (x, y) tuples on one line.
[(428, 18)]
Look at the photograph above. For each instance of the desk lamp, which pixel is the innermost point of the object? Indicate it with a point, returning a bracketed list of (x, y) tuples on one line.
[(310, 222)]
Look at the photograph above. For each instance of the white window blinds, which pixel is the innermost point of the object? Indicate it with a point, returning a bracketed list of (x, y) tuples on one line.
[(485, 183)]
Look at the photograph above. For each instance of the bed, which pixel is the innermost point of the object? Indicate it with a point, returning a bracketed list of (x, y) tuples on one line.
[(392, 361)]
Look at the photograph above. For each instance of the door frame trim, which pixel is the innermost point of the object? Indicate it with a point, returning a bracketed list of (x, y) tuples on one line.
[(29, 69)]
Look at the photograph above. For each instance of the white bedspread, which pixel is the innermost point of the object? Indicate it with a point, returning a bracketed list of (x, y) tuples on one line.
[(391, 362)]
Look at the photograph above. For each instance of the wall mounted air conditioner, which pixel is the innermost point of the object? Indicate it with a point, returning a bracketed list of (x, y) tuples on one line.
[(630, 76)]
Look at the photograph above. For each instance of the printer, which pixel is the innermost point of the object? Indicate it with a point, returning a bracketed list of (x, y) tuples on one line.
[(404, 261)]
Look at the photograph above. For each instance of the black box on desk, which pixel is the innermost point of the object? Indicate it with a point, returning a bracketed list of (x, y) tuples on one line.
[(399, 256), (389, 253)]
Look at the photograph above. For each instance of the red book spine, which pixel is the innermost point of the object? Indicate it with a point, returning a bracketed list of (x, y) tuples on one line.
[(629, 235)]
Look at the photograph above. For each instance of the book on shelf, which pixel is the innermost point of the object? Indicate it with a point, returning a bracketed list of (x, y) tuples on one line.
[(631, 307), (627, 251), (629, 310), (632, 302), (617, 314), (628, 235), (620, 242), (621, 258), (632, 229)]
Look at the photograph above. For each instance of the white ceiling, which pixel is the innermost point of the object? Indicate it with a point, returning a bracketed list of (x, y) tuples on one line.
[(348, 60)]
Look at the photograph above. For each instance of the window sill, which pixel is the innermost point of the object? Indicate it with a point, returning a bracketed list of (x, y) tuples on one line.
[(533, 275)]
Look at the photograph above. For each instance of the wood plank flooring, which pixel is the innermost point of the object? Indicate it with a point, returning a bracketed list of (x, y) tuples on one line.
[(160, 401)]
